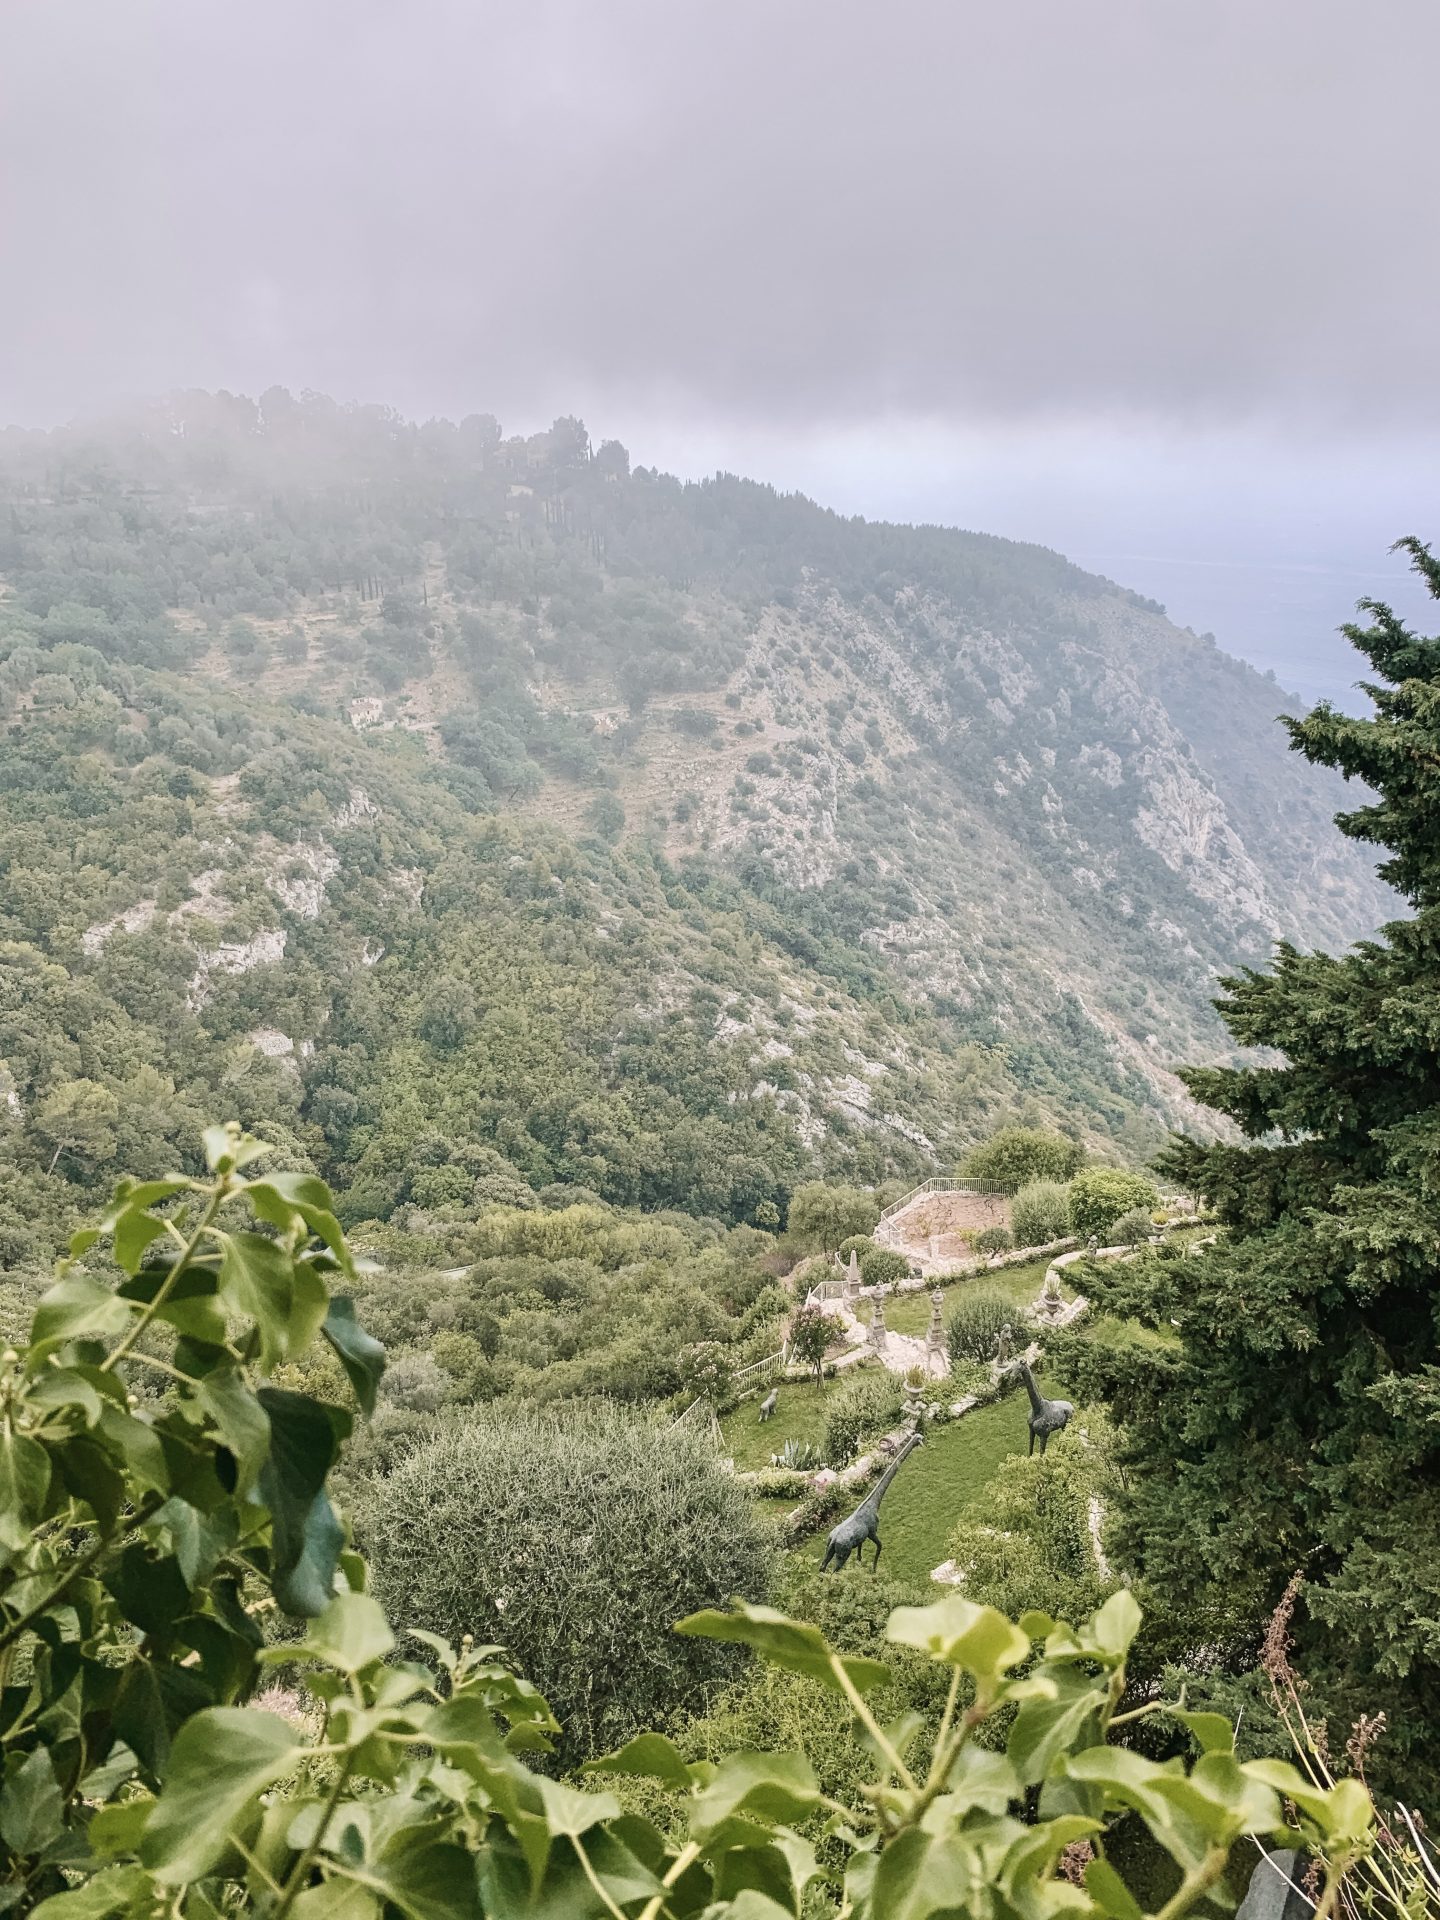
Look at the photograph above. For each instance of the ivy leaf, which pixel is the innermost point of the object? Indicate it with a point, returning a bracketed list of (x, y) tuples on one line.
[(1110, 1892), (650, 1756), (1212, 1730), (566, 1892), (149, 1588), (776, 1788), (1343, 1813), (284, 1297), (134, 1232), (920, 1874), (749, 1904), (117, 1889), (1114, 1627), (427, 1878), (130, 1194), (118, 1827), (241, 1421), (31, 1808), (190, 1306), (227, 1149), (61, 1387), (1046, 1728), (336, 1899), (306, 1537), (570, 1812), (979, 1639), (222, 1760), (787, 1643), (139, 1446), (361, 1355), (24, 1474), (351, 1634), (75, 1308), (280, 1196)]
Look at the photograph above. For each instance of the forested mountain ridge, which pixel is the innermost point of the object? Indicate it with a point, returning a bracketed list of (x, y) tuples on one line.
[(484, 815)]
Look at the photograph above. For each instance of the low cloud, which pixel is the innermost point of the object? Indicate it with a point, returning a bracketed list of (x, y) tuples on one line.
[(813, 213)]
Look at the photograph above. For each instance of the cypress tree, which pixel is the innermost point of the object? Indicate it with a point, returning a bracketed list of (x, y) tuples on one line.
[(1295, 1424)]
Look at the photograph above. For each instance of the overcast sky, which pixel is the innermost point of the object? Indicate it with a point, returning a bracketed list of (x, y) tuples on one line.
[(1149, 280)]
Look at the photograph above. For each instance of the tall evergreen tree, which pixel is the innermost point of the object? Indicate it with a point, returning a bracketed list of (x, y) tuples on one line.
[(1297, 1424)]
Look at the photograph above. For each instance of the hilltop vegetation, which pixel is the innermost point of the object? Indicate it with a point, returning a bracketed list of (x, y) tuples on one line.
[(477, 816)]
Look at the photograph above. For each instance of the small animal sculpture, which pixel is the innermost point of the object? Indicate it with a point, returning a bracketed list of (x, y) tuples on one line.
[(768, 1404), (864, 1523), (1046, 1416)]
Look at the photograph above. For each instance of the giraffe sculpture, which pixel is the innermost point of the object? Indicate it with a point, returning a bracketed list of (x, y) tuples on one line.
[(1046, 1416), (864, 1523)]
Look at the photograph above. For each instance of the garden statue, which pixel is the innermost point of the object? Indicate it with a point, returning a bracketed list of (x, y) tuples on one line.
[(1092, 1246), (864, 1523), (852, 1278), (1003, 1343), (879, 1338), (914, 1397), (1051, 1303), (936, 1348), (1046, 1416), (768, 1404)]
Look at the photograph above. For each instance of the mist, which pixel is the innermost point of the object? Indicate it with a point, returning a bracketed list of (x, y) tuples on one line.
[(1144, 283)]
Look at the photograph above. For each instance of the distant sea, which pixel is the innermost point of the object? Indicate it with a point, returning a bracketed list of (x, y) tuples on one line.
[(1280, 615)]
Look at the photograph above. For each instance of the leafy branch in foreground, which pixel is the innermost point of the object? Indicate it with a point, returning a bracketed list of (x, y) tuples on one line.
[(142, 1531), (156, 1491)]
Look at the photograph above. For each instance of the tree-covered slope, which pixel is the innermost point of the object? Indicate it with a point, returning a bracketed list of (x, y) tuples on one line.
[(396, 785)]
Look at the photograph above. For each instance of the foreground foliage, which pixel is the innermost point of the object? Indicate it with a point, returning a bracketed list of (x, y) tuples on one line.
[(144, 1533)]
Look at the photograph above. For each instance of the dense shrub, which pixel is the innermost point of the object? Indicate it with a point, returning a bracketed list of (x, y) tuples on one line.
[(972, 1328), (1031, 1546), (1131, 1228), (578, 1541), (858, 1243), (883, 1267), (1099, 1195), (864, 1405), (416, 1382), (992, 1241), (1017, 1155), (1040, 1213)]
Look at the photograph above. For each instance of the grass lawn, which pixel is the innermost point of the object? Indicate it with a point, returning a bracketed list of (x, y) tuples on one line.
[(940, 1481), (910, 1312), (799, 1415)]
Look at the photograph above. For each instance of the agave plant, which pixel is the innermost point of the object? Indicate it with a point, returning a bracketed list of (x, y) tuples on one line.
[(801, 1455)]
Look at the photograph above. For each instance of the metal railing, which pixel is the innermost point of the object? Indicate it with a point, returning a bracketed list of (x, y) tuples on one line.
[(982, 1189), (759, 1369), (824, 1291)]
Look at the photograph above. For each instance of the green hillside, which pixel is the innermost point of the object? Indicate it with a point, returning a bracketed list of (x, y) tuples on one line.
[(479, 816)]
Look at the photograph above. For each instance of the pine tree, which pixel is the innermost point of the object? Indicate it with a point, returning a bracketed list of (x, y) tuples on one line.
[(1297, 1424)]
